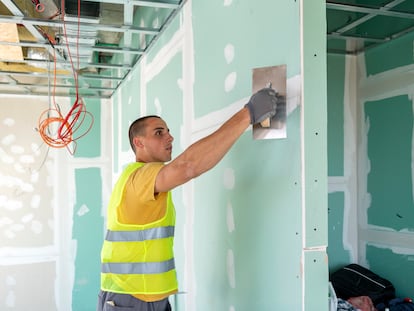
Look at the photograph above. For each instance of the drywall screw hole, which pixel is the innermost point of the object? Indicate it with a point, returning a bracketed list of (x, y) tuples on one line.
[(314, 229), (314, 260), (315, 55), (316, 133), (315, 180)]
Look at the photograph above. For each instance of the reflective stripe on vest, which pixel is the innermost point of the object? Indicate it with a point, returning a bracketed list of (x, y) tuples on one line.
[(138, 267), (141, 235)]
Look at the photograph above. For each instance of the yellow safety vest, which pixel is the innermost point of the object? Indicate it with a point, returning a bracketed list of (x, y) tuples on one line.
[(138, 259)]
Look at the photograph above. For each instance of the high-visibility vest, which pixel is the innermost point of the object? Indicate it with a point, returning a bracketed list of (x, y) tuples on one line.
[(138, 259)]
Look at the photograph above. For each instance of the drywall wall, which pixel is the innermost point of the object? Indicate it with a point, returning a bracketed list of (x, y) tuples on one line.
[(251, 233), (51, 204), (376, 217)]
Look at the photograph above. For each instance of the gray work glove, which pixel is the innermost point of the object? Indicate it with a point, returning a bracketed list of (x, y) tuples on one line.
[(262, 105)]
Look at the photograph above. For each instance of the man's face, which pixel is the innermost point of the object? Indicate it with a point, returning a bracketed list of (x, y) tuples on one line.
[(156, 144)]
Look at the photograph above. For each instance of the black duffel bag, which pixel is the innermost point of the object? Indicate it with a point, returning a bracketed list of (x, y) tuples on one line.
[(354, 280)]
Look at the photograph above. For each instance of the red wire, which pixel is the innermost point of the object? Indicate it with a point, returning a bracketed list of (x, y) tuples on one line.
[(56, 130)]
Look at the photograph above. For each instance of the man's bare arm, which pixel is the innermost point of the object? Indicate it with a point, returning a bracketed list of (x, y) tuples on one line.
[(203, 154)]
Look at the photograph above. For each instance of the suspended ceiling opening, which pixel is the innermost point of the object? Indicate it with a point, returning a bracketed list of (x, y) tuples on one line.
[(67, 48), (353, 26)]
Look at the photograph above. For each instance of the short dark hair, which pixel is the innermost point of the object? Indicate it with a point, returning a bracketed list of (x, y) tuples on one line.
[(137, 128)]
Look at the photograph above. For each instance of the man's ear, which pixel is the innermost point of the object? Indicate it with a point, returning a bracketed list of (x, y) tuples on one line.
[(137, 142)]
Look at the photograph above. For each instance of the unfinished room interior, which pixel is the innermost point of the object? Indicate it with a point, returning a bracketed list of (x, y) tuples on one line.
[(280, 218)]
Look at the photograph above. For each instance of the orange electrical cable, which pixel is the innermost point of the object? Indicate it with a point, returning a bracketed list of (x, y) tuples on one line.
[(55, 129)]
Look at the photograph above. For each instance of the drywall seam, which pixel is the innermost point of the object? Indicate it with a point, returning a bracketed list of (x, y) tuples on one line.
[(394, 82), (350, 228), (302, 154), (188, 116), (389, 238)]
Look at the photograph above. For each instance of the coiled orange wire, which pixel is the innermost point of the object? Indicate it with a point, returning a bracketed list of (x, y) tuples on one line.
[(58, 130)]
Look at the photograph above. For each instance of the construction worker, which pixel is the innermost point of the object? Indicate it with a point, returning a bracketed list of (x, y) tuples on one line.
[(138, 271)]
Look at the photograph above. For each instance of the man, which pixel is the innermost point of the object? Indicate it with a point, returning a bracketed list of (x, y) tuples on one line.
[(138, 271)]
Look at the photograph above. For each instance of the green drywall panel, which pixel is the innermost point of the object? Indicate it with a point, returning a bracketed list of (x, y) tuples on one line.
[(390, 155), (266, 242), (87, 232), (316, 276), (152, 18), (88, 135), (335, 110), (398, 268), (164, 95), (130, 95), (390, 55), (230, 41), (315, 122), (338, 256)]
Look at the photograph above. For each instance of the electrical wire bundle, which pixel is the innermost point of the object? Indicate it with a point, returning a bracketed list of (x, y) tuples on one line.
[(62, 130)]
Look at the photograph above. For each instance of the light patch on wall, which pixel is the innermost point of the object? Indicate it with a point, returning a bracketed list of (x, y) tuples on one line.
[(229, 53), (17, 149), (37, 227), (6, 159), (230, 81), (180, 84), (12, 205), (228, 178), (231, 78), (157, 105), (8, 139), (35, 201), (18, 167), (27, 218), (27, 159), (230, 269), (34, 177), (11, 299), (227, 2), (9, 122), (230, 218), (5, 220), (83, 210)]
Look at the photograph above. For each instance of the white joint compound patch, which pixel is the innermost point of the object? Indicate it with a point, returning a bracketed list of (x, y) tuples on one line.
[(230, 218), (228, 178), (230, 81), (229, 53), (230, 269)]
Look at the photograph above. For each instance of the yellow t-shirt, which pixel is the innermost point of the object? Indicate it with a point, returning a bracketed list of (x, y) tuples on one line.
[(142, 206)]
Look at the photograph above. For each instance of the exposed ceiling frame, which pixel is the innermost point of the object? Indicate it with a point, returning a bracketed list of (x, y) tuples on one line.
[(358, 46), (118, 72)]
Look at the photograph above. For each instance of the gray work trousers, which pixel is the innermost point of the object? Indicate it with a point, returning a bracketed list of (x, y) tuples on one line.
[(108, 301)]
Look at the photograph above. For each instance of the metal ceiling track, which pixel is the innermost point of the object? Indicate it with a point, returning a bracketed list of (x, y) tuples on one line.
[(99, 77), (385, 10)]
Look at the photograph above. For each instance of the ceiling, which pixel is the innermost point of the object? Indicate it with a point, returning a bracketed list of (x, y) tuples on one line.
[(46, 50), (353, 26)]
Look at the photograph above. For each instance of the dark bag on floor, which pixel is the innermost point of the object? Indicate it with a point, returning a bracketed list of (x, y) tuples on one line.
[(354, 280)]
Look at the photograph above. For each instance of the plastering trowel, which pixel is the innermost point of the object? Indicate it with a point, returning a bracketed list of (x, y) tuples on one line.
[(274, 77)]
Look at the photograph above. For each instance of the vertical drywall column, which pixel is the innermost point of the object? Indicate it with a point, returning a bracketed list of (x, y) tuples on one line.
[(314, 158)]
